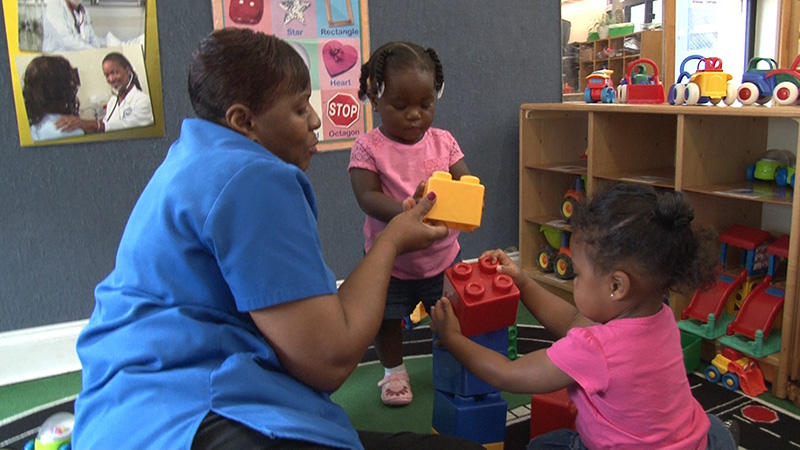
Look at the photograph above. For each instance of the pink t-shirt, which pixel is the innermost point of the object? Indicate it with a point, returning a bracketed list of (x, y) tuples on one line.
[(631, 387), (401, 168)]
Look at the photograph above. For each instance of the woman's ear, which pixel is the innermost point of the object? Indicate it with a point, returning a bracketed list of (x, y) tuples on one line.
[(239, 119)]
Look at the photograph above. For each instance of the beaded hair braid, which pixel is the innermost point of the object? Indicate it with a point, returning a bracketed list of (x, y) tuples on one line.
[(397, 56)]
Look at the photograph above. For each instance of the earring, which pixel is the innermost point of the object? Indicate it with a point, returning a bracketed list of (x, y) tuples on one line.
[(612, 295)]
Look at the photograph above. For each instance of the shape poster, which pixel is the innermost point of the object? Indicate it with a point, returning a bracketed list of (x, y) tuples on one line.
[(331, 35), (84, 71)]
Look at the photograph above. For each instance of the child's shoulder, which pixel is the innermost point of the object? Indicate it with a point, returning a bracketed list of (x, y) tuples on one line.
[(370, 139), (440, 134)]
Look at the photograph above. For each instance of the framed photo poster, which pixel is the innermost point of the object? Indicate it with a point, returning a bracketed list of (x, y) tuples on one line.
[(84, 71), (332, 37)]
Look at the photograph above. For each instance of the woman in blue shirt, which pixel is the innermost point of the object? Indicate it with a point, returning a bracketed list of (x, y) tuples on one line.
[(221, 325)]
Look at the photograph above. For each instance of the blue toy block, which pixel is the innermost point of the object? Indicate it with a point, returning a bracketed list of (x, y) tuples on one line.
[(480, 419), (451, 377)]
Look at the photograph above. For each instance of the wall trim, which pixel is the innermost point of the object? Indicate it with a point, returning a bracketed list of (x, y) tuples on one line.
[(40, 352)]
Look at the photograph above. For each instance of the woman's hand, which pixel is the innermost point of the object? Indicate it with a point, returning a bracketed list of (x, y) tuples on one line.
[(444, 322), (407, 230), (71, 123), (507, 266)]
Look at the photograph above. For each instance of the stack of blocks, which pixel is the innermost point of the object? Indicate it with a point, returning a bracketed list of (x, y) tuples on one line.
[(485, 303)]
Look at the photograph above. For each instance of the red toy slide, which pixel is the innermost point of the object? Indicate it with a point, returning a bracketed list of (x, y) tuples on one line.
[(713, 300), (758, 311)]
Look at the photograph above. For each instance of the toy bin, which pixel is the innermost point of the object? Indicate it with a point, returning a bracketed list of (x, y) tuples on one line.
[(691, 350)]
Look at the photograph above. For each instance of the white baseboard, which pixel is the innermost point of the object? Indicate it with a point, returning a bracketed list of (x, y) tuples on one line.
[(33, 353), (40, 352)]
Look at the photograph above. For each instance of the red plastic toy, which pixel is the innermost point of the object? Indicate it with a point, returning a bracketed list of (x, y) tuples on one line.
[(482, 299), (550, 412), (650, 93)]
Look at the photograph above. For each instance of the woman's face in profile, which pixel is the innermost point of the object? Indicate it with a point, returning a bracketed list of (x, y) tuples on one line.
[(116, 75)]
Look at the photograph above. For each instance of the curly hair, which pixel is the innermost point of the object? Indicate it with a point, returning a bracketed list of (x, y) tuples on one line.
[(239, 65), (50, 86), (398, 55), (648, 231)]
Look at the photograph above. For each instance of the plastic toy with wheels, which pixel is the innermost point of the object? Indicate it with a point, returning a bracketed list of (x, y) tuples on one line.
[(677, 92), (786, 82), (54, 434), (572, 197), (631, 92), (775, 164), (556, 256), (736, 371), (756, 87), (710, 81), (600, 87)]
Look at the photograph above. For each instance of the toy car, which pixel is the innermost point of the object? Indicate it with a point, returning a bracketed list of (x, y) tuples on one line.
[(556, 256), (736, 370), (633, 90), (786, 83), (756, 87), (677, 92), (600, 87), (54, 434), (775, 165), (710, 81)]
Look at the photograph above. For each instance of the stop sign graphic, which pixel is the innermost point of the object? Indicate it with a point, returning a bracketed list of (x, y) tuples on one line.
[(343, 110)]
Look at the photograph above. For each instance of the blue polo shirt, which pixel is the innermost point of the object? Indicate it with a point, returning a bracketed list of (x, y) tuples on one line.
[(223, 227)]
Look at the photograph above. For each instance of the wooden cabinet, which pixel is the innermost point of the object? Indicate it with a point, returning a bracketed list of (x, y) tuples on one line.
[(613, 53), (703, 151)]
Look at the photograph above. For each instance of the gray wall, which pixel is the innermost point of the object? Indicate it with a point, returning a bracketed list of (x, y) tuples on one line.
[(63, 208)]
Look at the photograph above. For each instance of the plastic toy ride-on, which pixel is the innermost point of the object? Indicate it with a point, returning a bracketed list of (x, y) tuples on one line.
[(54, 434), (736, 370), (639, 87), (677, 92), (710, 81), (756, 87), (775, 164), (556, 256), (600, 87), (787, 82)]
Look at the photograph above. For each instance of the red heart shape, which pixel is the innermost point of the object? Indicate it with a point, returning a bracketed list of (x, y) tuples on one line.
[(338, 58)]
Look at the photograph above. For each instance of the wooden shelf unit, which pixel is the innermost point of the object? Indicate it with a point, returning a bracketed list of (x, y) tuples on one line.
[(593, 55), (703, 151)]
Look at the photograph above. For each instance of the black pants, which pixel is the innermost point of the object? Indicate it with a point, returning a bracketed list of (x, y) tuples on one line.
[(217, 432)]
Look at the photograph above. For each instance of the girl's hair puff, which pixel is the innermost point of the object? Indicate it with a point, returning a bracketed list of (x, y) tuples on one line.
[(239, 65), (50, 86), (398, 55), (646, 231)]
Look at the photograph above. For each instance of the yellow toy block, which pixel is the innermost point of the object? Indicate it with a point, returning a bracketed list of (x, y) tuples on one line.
[(459, 203)]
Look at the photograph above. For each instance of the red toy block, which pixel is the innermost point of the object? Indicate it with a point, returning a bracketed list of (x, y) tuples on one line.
[(551, 412), (482, 299)]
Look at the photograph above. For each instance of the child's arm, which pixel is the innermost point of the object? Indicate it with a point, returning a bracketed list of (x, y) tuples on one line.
[(553, 312), (459, 169), (366, 186), (534, 373)]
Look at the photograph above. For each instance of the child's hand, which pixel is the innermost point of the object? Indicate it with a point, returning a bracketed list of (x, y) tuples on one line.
[(444, 321), (507, 266)]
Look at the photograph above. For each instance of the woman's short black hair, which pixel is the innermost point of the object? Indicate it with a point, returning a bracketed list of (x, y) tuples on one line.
[(239, 65)]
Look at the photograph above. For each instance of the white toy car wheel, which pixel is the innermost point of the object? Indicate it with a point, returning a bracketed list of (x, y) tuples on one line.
[(785, 93), (730, 94), (692, 94), (747, 94)]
